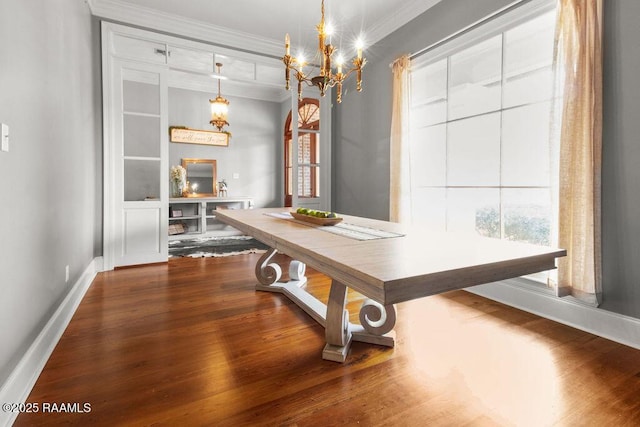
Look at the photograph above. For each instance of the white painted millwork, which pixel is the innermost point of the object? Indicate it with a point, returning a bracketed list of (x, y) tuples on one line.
[(233, 26), (138, 49), (192, 64), (138, 68), (191, 59), (139, 169), (199, 215)]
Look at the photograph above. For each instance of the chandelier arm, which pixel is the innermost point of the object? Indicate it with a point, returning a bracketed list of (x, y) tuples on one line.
[(326, 78)]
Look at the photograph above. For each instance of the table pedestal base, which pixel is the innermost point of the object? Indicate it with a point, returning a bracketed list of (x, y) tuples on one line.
[(377, 320)]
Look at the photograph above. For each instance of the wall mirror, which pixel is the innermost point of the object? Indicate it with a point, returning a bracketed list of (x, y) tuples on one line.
[(201, 174)]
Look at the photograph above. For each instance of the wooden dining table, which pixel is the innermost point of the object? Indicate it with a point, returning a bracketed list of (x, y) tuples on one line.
[(388, 263)]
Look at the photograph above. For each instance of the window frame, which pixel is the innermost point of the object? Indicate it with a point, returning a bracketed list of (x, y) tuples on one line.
[(312, 129)]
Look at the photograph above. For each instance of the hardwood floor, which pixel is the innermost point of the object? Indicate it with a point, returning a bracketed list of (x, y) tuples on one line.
[(192, 343)]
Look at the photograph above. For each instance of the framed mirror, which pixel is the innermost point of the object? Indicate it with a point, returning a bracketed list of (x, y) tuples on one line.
[(201, 175)]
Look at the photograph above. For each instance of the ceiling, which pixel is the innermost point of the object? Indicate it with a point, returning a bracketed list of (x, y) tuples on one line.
[(260, 26)]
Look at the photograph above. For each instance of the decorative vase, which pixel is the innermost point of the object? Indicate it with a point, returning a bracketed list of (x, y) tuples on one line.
[(176, 189)]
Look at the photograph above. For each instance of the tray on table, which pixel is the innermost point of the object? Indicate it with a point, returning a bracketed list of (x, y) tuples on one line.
[(315, 220)]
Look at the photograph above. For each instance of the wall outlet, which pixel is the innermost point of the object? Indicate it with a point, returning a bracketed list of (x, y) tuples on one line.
[(66, 274), (236, 175), (4, 136)]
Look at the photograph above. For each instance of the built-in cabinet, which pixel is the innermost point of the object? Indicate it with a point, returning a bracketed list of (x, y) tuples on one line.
[(138, 155), (197, 216)]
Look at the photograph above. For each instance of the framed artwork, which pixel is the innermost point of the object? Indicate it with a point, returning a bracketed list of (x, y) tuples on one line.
[(195, 136)]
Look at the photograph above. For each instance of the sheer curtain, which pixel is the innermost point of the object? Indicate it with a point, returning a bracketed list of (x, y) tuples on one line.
[(400, 185), (578, 126)]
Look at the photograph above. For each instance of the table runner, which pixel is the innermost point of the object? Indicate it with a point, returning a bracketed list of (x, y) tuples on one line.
[(351, 231)]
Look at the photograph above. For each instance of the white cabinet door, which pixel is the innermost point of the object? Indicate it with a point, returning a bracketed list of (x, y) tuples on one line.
[(137, 164), (191, 59), (138, 49)]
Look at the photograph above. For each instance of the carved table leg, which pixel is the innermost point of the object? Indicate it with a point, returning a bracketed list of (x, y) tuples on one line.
[(376, 324), (376, 320), (337, 331), (268, 273)]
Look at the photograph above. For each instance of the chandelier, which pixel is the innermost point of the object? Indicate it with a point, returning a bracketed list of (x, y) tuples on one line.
[(327, 78), (219, 106)]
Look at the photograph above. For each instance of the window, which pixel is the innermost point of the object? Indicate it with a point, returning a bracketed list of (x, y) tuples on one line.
[(479, 130), (308, 151)]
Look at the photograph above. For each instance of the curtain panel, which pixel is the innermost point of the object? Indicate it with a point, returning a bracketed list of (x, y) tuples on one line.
[(400, 173), (578, 126)]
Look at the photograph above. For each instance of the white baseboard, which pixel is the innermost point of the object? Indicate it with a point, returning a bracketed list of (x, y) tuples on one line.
[(615, 327), (20, 382)]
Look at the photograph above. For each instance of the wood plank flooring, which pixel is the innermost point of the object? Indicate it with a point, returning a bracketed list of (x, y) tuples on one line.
[(192, 343)]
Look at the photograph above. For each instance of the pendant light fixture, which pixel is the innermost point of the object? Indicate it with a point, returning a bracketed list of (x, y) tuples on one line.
[(219, 106)]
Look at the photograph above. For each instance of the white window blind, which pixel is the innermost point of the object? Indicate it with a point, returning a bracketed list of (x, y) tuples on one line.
[(479, 129)]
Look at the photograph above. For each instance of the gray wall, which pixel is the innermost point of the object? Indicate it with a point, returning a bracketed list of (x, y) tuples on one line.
[(362, 123), (254, 151), (50, 208), (621, 158), (362, 126)]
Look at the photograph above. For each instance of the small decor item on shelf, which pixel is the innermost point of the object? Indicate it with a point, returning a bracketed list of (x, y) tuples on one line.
[(178, 180), (222, 189), (179, 228)]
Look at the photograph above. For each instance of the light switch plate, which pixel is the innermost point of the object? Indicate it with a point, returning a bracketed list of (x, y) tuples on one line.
[(5, 137)]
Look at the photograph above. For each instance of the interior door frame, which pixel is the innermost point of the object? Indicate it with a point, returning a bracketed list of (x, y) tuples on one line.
[(323, 202), (112, 134)]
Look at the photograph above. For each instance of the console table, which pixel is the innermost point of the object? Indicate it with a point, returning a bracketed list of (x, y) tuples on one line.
[(415, 263)]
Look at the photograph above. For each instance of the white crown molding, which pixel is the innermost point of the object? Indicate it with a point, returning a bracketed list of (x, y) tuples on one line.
[(120, 11), (127, 13), (401, 16), (231, 88)]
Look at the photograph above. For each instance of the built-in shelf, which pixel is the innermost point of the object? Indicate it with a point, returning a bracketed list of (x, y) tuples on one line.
[(196, 216)]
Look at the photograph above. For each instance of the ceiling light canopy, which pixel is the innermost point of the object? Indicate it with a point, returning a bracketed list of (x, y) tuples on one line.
[(327, 78)]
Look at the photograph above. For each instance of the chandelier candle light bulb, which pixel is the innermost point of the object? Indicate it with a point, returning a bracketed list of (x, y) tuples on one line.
[(326, 79)]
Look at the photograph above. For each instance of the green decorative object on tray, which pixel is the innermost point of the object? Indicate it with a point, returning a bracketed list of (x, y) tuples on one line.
[(316, 217)]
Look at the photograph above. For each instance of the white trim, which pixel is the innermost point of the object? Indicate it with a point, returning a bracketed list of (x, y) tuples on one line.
[(326, 106), (537, 300), (402, 15), (155, 36), (121, 11), (125, 12), (17, 387), (108, 210), (250, 90), (495, 23)]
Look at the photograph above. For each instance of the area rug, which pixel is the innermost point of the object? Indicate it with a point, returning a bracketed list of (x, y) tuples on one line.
[(215, 246)]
